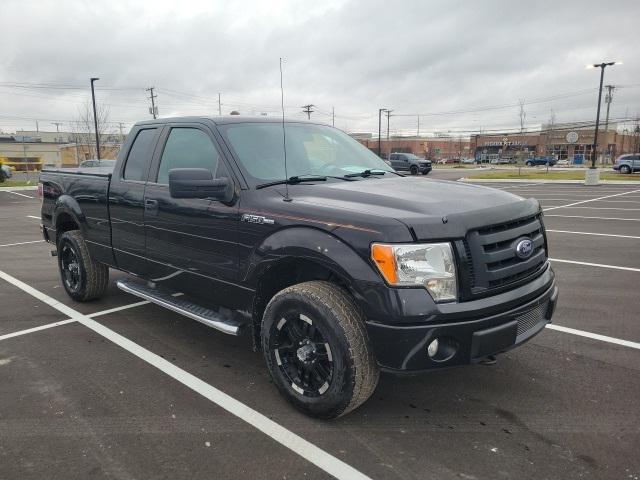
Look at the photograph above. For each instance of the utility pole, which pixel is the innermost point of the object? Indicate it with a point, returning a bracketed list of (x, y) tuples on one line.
[(120, 125), (380, 110), (388, 115), (333, 116), (57, 124), (219, 105), (95, 117), (37, 129), (608, 98), (307, 109), (153, 110)]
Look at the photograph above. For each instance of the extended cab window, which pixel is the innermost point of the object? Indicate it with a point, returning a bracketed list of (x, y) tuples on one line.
[(134, 169), (187, 148)]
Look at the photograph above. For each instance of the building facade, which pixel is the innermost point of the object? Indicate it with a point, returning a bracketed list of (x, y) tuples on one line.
[(431, 148)]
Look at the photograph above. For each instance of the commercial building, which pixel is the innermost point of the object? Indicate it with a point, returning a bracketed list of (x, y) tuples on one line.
[(434, 148)]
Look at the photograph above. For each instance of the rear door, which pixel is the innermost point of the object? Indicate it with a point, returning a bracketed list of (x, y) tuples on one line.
[(191, 244), (126, 201)]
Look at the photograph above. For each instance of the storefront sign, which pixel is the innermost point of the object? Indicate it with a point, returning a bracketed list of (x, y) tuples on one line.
[(505, 143), (572, 137)]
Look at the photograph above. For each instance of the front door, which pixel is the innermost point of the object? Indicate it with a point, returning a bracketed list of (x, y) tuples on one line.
[(191, 244)]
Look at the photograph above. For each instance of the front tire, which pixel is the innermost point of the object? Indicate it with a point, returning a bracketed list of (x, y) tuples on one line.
[(317, 349), (83, 278), (414, 170)]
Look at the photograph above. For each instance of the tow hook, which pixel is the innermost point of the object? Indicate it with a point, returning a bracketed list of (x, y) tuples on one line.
[(489, 360)]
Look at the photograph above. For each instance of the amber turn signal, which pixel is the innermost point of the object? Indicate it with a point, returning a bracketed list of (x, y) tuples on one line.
[(385, 260)]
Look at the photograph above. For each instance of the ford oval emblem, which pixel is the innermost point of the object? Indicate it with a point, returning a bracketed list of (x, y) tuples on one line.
[(524, 248)]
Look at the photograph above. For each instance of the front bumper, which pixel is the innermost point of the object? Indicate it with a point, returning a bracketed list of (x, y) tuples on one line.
[(403, 348)]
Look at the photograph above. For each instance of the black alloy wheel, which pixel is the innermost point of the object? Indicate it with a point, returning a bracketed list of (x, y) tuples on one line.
[(70, 267), (303, 355)]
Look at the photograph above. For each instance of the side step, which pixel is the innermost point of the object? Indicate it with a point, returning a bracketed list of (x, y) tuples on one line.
[(184, 307)]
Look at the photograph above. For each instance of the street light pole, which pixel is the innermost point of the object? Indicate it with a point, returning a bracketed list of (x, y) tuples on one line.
[(594, 147), (380, 110), (95, 117)]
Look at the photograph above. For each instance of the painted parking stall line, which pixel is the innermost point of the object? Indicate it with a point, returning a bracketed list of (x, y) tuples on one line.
[(594, 336), (591, 233), (277, 432), (600, 265), (593, 218), (594, 199), (18, 193), (20, 243)]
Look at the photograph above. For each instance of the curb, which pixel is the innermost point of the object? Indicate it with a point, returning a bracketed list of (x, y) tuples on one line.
[(16, 189), (512, 180)]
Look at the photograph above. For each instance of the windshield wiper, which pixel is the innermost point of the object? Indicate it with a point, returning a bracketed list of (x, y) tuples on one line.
[(365, 173), (294, 180)]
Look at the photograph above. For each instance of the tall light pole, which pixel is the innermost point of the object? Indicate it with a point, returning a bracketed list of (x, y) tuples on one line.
[(602, 66), (380, 110), (95, 117)]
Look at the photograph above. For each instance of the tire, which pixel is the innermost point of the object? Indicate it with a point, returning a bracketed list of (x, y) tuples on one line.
[(625, 169), (413, 170), (529, 164), (83, 278), (321, 312)]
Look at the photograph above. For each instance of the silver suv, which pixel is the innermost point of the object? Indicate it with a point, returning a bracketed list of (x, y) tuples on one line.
[(628, 163)]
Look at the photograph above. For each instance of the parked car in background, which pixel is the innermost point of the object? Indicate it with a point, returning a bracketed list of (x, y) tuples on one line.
[(5, 172), (468, 161), (545, 160), (563, 163), (97, 163), (408, 162), (628, 163)]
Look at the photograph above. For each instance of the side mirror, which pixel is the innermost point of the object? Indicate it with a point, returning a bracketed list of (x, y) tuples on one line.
[(198, 183)]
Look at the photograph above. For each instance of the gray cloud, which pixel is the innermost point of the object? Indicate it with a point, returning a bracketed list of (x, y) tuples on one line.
[(412, 56)]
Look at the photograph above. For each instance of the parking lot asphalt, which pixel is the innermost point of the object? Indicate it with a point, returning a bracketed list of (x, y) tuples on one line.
[(75, 403)]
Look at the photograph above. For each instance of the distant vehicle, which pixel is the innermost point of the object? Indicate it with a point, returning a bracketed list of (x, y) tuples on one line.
[(535, 161), (563, 163), (408, 162), (94, 162), (468, 161), (5, 172), (501, 161), (628, 163)]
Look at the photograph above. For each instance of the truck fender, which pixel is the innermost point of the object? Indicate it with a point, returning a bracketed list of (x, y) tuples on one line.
[(67, 206), (314, 245)]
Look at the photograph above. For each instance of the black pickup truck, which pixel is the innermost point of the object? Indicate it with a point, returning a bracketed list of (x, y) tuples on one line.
[(337, 265)]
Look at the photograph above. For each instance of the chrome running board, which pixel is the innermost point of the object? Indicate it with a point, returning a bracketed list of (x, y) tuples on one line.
[(183, 307)]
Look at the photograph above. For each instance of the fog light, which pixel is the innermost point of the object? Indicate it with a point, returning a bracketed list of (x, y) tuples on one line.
[(432, 349)]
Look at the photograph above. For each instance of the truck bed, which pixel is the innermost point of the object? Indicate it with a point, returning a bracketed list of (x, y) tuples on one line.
[(82, 193)]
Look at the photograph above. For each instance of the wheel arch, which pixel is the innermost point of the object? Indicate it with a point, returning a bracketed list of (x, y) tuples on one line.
[(67, 216)]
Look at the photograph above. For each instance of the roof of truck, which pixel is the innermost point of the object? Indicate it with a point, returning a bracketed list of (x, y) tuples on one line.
[(226, 119)]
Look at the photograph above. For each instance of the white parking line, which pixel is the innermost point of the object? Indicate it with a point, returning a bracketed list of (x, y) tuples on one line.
[(589, 233), (595, 336), (20, 243), (287, 438), (17, 193), (594, 199), (594, 218), (609, 208), (33, 216), (601, 265)]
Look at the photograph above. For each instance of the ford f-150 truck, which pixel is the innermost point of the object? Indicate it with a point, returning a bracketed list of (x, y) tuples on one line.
[(338, 266)]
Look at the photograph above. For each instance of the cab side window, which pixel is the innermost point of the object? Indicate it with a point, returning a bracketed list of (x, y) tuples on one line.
[(187, 148), (140, 152)]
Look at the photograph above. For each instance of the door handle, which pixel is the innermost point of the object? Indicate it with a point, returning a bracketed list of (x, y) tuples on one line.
[(151, 206)]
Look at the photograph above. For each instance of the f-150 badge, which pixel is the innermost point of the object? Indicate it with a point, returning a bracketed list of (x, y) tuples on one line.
[(256, 219)]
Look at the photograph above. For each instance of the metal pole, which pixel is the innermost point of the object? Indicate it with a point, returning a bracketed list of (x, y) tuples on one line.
[(595, 136), (219, 105), (380, 110), (333, 116), (95, 117)]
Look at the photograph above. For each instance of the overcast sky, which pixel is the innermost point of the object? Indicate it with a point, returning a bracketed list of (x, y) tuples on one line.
[(448, 61)]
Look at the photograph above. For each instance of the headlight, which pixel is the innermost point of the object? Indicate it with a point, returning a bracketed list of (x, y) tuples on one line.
[(429, 265)]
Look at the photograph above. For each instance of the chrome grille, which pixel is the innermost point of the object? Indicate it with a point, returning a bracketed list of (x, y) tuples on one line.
[(528, 320)]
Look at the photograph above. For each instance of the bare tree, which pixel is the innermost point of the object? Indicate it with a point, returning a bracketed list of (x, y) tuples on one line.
[(83, 131)]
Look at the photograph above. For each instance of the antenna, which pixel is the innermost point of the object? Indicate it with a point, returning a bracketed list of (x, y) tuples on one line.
[(284, 140)]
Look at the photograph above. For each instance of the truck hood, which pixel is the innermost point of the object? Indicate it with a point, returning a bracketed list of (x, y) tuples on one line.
[(430, 208)]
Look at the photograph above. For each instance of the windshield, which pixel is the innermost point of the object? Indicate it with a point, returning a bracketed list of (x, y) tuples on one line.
[(311, 150)]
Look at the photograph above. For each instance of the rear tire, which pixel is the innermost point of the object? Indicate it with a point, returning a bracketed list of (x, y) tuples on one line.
[(529, 164), (317, 349), (625, 169), (83, 278)]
